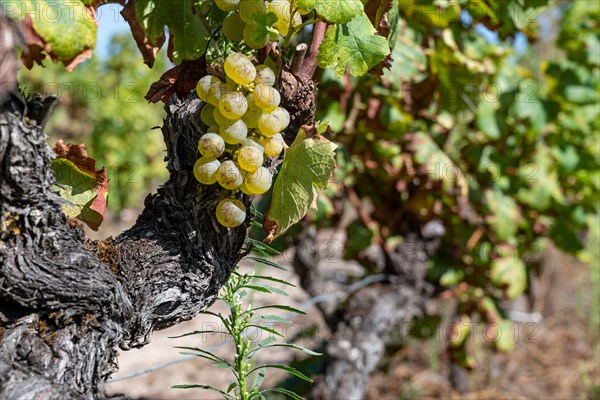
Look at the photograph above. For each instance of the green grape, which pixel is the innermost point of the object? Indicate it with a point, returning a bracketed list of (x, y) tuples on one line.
[(221, 120), (250, 40), (273, 145), (250, 7), (266, 97), (229, 175), (232, 27), (283, 115), (244, 189), (264, 75), (211, 145), (213, 129), (231, 213), (252, 142), (249, 158), (233, 105), (258, 182), (206, 115), (239, 68), (274, 122), (234, 133), (282, 9), (227, 5), (253, 114), (209, 89), (205, 170)]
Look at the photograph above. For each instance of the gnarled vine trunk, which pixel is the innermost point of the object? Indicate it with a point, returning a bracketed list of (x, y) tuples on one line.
[(68, 304)]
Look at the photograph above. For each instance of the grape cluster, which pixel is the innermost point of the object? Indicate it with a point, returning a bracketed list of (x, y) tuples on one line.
[(240, 24), (245, 121)]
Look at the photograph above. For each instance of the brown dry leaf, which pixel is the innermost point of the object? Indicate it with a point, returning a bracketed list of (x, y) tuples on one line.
[(148, 50), (179, 80)]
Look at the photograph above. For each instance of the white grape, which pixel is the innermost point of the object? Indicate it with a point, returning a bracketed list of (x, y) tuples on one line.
[(231, 213), (227, 5), (211, 145), (244, 189), (232, 27), (264, 75), (229, 175), (253, 114), (252, 142), (266, 97), (234, 133), (206, 115), (273, 145), (233, 105), (209, 89), (250, 40), (239, 68), (282, 9), (221, 120), (274, 122), (258, 182), (249, 158), (205, 170), (250, 7)]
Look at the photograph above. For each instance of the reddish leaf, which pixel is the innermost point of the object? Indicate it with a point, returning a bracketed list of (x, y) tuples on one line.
[(89, 198), (147, 49), (179, 80)]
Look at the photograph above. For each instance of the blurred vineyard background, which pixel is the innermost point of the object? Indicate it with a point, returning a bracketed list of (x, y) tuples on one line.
[(517, 93)]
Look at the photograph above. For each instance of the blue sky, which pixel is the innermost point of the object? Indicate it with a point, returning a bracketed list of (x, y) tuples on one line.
[(110, 22)]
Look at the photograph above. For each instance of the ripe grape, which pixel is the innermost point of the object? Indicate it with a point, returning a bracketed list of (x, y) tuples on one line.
[(211, 145), (251, 40), (227, 5), (205, 170), (253, 114), (221, 120), (273, 145), (250, 7), (206, 115), (249, 158), (209, 89), (274, 122), (259, 182), (232, 27), (244, 189), (283, 9), (231, 213), (264, 75), (266, 97), (254, 143), (229, 175), (239, 68), (234, 133), (233, 105)]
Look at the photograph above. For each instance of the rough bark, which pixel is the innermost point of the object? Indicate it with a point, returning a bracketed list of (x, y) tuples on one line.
[(361, 324), (67, 304)]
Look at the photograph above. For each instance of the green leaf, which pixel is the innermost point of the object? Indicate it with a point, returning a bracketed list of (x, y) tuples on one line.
[(265, 289), (66, 28), (267, 262), (289, 393), (288, 345), (206, 387), (280, 307), (308, 164), (504, 214), (355, 44), (78, 182), (263, 26), (268, 278), (509, 272), (259, 378), (291, 370), (264, 328), (275, 318), (198, 333), (188, 33), (337, 11)]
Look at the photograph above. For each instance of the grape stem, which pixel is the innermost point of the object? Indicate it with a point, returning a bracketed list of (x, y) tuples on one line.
[(310, 63)]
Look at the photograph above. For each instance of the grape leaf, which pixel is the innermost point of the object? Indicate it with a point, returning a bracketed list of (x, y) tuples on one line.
[(78, 182), (307, 165), (263, 26), (509, 271), (354, 44), (65, 30), (337, 11), (504, 214), (188, 35)]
